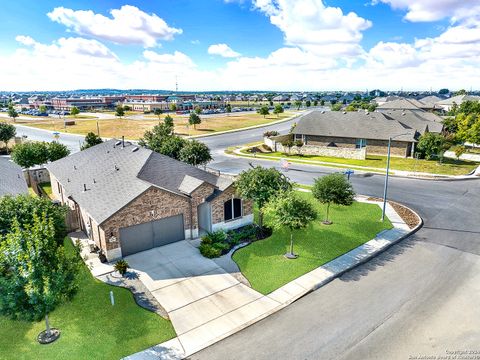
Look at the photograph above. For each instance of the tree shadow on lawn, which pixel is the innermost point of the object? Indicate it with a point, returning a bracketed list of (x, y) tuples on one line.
[(380, 260)]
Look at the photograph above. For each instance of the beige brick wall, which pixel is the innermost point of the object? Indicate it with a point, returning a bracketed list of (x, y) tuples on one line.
[(217, 205), (380, 147), (161, 202)]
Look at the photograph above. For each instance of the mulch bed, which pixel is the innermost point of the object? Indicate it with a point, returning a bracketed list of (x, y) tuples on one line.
[(405, 213)]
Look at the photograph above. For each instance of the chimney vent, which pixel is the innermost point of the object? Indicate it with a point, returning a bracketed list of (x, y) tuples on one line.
[(116, 168)]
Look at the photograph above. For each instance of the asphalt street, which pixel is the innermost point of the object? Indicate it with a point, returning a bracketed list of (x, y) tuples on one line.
[(419, 298)]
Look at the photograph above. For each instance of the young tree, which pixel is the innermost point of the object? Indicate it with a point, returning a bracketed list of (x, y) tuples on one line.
[(459, 151), (291, 211), (74, 111), (299, 144), (263, 110), (228, 109), (36, 275), (431, 145), (278, 109), (198, 110), (42, 109), (57, 151), (315, 102), (12, 112), (308, 103), (333, 188), (119, 111), (30, 154), (298, 104), (7, 132), (194, 119), (322, 102), (91, 139), (22, 208), (168, 121), (288, 144), (173, 107), (336, 107), (158, 112), (195, 153), (127, 108), (260, 184)]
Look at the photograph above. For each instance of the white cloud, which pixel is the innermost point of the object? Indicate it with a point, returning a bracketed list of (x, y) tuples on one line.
[(127, 25), (393, 55), (222, 50), (315, 27), (177, 58), (433, 10)]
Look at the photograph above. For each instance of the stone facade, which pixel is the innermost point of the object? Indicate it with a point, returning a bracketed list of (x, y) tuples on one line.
[(218, 215)]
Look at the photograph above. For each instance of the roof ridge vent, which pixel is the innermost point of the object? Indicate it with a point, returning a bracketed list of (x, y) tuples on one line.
[(135, 149), (344, 112), (116, 167), (117, 143)]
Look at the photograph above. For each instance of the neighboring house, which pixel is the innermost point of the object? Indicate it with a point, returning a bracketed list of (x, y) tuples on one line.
[(354, 134), (129, 199), (280, 98), (12, 180), (447, 104), (382, 100)]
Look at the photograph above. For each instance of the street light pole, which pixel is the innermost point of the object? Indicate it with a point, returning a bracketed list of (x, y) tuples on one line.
[(386, 180)]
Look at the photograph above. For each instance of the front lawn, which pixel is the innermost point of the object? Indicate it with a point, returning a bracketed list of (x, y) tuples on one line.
[(47, 187), (91, 328), (263, 264), (447, 167)]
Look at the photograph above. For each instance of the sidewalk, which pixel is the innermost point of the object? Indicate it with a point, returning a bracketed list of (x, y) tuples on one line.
[(392, 172), (240, 318)]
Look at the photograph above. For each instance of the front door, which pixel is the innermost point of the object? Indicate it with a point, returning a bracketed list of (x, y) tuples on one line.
[(204, 218)]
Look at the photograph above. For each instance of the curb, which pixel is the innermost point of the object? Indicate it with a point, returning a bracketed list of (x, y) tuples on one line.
[(436, 177)]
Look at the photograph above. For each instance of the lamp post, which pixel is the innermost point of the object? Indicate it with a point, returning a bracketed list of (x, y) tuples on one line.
[(385, 188)]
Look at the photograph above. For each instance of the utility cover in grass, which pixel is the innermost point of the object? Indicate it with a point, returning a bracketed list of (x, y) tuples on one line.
[(264, 265)]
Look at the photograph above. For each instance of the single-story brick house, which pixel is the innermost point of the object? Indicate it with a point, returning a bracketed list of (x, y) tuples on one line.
[(130, 199), (354, 134)]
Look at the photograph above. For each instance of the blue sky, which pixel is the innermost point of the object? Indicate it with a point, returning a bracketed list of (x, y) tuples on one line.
[(240, 44)]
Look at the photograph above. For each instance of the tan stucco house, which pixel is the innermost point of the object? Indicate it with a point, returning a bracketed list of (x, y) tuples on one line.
[(130, 199)]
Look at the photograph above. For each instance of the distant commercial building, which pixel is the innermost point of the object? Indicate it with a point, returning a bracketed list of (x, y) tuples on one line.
[(84, 103)]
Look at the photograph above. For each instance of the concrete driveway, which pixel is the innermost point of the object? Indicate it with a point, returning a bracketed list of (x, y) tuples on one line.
[(203, 301)]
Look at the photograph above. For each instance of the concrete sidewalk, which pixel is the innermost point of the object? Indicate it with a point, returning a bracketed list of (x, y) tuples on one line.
[(230, 322)]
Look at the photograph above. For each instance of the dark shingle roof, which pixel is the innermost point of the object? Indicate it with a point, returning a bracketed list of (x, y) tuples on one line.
[(417, 119), (12, 181), (357, 125), (116, 175)]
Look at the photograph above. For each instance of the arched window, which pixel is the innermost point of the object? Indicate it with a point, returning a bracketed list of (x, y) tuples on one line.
[(232, 209)]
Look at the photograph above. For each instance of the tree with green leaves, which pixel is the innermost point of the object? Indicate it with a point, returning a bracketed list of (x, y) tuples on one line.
[(278, 110), (298, 144), (42, 109), (173, 107), (57, 151), (308, 103), (260, 184), (34, 153), (119, 111), (22, 208), (127, 108), (228, 109), (30, 154), (322, 102), (336, 107), (194, 119), (198, 110), (431, 145), (7, 132), (74, 111), (263, 110), (468, 127), (289, 210), (288, 144), (333, 189), (459, 151), (91, 139), (168, 121), (36, 275), (158, 112), (195, 153), (315, 102), (443, 91), (298, 104), (12, 112)]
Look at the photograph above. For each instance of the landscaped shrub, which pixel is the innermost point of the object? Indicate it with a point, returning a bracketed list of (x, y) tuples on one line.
[(209, 251), (121, 266)]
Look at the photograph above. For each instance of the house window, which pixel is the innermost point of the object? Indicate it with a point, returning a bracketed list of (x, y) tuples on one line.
[(232, 209), (361, 143)]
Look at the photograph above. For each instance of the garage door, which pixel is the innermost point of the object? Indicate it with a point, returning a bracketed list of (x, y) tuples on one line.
[(145, 236)]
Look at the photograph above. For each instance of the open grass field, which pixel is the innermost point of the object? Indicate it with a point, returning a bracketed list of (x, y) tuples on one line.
[(447, 167), (263, 264), (134, 129), (91, 328)]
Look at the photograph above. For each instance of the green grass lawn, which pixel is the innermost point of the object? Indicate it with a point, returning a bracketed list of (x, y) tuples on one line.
[(263, 264), (47, 187), (91, 328), (448, 166)]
